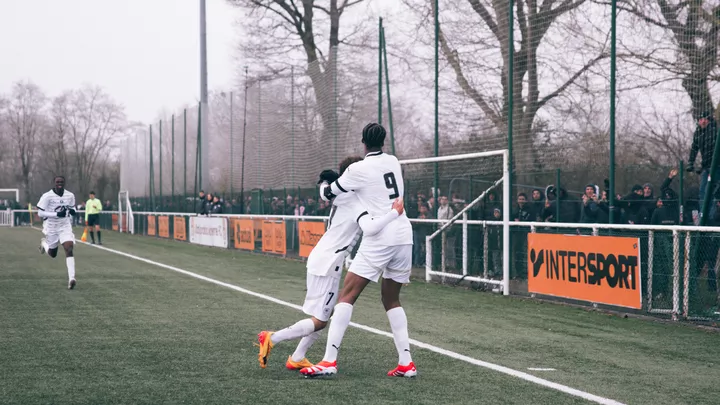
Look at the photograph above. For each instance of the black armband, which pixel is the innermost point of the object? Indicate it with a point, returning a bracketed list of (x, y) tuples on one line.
[(328, 193)]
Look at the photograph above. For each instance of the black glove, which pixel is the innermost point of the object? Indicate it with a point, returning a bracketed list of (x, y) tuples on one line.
[(72, 211), (329, 176), (62, 213)]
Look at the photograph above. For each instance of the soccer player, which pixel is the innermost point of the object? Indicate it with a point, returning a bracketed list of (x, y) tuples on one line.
[(347, 218), (56, 208), (377, 181), (93, 207)]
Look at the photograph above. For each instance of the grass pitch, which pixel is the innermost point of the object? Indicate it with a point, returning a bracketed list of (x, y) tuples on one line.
[(135, 333)]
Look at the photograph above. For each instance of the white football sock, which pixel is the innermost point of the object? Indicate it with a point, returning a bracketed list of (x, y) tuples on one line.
[(70, 261), (304, 346), (398, 324), (45, 246), (298, 330), (338, 325)]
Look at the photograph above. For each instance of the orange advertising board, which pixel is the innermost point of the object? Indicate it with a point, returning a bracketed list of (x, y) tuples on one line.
[(310, 233), (598, 269), (179, 232), (273, 237), (164, 226), (244, 234), (151, 225), (115, 222)]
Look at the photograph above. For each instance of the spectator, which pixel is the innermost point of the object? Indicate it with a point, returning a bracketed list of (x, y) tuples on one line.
[(491, 202), (537, 204), (200, 208), (650, 199), (216, 206), (420, 231), (634, 206), (522, 214), (591, 212), (663, 214), (495, 235), (311, 207), (569, 207), (669, 196), (523, 211), (446, 212), (704, 143)]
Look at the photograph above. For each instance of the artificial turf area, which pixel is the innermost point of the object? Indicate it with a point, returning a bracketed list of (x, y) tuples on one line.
[(135, 333)]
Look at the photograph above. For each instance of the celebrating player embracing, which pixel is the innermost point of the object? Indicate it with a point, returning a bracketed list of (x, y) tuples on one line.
[(377, 181), (324, 268), (56, 209)]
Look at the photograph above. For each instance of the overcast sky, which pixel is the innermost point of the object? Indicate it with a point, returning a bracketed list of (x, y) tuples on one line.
[(145, 53)]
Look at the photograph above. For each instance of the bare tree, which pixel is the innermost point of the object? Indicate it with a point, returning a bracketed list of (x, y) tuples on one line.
[(92, 120), (694, 30), (285, 27), (24, 116), (475, 44)]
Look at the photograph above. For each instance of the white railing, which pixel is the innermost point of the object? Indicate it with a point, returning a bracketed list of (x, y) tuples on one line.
[(6, 218)]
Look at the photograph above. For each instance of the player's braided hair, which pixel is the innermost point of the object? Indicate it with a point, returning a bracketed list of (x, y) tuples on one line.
[(373, 135)]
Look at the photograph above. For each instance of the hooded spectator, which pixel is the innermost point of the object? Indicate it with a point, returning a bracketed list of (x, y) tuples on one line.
[(491, 202), (591, 212), (634, 206), (569, 207)]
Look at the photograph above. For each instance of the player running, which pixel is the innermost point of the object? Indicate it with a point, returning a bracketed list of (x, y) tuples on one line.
[(93, 207), (56, 208), (324, 269), (377, 181)]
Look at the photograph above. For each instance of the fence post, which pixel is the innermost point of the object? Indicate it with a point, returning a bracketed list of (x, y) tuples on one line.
[(557, 195), (681, 198), (160, 153), (184, 192), (380, 70), (613, 68), (172, 159), (465, 244)]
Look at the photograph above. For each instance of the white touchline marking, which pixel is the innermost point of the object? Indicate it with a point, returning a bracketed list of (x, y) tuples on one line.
[(457, 356), (540, 369)]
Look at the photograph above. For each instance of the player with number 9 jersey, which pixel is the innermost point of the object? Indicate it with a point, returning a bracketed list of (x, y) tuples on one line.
[(377, 181)]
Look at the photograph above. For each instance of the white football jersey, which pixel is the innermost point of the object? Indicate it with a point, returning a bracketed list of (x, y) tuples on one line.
[(343, 232), (52, 202), (377, 181)]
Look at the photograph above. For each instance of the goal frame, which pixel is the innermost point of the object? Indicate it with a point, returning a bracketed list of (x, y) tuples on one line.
[(504, 284), (124, 196), (12, 190)]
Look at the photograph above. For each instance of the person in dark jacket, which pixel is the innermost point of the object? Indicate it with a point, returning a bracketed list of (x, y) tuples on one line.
[(569, 207), (538, 205), (633, 205), (591, 212), (704, 143)]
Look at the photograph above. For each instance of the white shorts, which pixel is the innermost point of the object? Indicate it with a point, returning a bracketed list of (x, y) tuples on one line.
[(393, 262), (322, 292), (58, 237)]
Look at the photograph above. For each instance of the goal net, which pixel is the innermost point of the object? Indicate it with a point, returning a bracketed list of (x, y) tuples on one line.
[(460, 209)]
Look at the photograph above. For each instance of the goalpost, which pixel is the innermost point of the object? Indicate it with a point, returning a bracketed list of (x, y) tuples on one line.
[(126, 220), (494, 168)]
